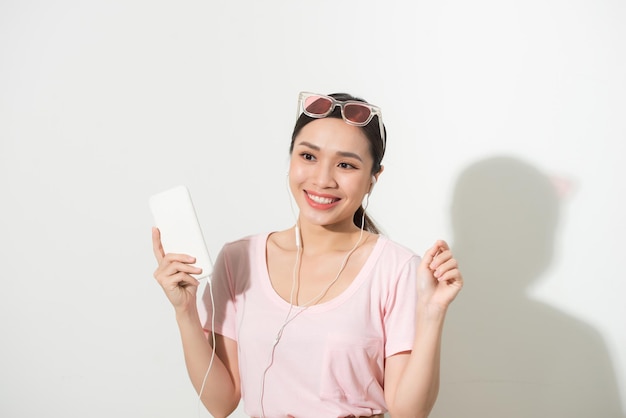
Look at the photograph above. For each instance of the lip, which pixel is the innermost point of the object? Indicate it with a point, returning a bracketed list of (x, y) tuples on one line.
[(334, 200)]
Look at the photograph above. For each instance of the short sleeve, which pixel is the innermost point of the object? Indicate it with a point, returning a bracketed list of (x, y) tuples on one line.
[(219, 293), (400, 309)]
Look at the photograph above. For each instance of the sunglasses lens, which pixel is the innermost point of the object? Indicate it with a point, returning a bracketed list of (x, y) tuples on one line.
[(317, 105), (357, 113)]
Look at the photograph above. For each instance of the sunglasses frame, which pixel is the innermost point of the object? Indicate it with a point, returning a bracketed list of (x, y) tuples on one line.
[(374, 110)]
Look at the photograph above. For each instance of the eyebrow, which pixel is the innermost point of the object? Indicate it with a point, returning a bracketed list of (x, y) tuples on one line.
[(346, 154)]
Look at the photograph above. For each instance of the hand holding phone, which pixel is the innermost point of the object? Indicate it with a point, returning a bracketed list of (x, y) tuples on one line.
[(175, 216)]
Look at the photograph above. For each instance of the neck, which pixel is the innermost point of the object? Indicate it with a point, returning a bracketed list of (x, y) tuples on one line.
[(319, 239)]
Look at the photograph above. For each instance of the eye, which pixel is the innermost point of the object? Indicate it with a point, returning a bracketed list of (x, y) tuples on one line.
[(307, 156), (346, 166)]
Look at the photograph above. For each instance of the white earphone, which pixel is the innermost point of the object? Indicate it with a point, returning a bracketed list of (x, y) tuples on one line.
[(298, 238), (373, 184)]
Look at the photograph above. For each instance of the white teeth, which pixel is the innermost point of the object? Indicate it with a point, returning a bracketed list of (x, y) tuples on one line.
[(321, 200)]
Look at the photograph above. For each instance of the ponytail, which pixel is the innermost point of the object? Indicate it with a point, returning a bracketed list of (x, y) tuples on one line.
[(368, 223)]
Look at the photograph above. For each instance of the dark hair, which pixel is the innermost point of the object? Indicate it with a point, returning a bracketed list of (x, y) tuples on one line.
[(372, 133)]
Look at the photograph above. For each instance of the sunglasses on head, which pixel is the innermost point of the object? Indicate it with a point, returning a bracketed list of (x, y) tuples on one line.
[(353, 112)]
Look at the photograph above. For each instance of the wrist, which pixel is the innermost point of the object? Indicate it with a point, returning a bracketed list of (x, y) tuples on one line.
[(187, 315), (431, 311)]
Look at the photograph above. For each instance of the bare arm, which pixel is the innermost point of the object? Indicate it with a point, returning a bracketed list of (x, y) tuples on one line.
[(412, 378), (221, 393)]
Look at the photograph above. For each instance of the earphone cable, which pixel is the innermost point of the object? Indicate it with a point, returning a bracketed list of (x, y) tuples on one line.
[(308, 304), (206, 375)]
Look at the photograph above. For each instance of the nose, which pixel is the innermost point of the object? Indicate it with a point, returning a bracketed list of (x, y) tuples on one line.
[(324, 176)]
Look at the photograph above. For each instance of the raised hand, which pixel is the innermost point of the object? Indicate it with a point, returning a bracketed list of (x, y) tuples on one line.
[(438, 277), (174, 275)]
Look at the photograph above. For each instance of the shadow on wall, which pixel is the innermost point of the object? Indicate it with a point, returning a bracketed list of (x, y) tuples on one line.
[(506, 355)]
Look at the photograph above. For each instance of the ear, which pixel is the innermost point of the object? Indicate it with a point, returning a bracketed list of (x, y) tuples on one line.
[(375, 179), (373, 183)]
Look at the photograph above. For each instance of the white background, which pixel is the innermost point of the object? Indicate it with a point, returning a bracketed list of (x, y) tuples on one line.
[(103, 103)]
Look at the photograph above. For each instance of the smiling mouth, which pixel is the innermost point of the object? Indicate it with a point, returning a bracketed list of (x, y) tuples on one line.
[(322, 200)]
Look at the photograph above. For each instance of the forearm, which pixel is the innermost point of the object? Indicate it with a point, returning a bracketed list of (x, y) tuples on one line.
[(220, 394), (418, 386)]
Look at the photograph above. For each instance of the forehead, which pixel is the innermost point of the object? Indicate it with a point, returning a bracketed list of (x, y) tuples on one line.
[(335, 135)]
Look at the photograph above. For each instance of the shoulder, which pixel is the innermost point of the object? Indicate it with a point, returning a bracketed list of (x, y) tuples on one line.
[(243, 248), (245, 242), (240, 258), (394, 252), (393, 266)]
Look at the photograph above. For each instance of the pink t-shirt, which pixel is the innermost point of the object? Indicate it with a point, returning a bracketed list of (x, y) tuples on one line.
[(329, 361)]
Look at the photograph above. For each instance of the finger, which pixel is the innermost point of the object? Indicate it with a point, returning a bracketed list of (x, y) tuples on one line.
[(171, 262), (438, 247), (180, 279), (157, 247), (440, 259), (451, 277), (178, 266), (445, 267), (178, 257), (442, 245), (185, 279), (429, 255), (167, 269)]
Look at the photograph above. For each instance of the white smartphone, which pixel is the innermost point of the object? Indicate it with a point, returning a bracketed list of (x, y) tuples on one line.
[(175, 216)]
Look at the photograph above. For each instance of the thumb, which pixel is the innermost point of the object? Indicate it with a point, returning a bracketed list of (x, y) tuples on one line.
[(157, 246)]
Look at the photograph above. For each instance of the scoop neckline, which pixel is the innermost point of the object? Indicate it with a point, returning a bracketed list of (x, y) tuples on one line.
[(329, 304)]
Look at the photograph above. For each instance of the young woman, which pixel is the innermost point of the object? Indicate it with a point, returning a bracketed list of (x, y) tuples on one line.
[(327, 318)]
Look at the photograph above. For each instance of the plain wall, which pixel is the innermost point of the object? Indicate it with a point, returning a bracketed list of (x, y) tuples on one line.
[(506, 129)]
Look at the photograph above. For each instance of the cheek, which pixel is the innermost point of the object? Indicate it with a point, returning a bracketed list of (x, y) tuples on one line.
[(297, 171), (362, 189), (296, 175), (354, 189)]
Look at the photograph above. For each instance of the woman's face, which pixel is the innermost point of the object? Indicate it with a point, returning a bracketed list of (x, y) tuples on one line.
[(330, 172)]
